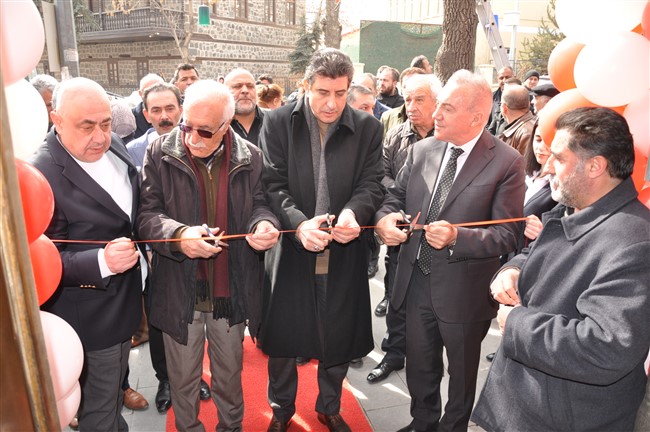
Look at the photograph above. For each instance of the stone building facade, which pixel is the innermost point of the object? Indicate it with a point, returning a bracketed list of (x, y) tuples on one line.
[(116, 49)]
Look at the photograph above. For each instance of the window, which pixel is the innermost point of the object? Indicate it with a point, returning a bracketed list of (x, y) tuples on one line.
[(113, 73), (142, 68), (291, 12), (269, 10), (241, 9)]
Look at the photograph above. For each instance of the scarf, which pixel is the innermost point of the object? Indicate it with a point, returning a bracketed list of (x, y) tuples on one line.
[(220, 283)]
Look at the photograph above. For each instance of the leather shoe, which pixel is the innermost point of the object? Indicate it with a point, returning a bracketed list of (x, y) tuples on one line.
[(490, 357), (334, 423), (204, 391), (380, 310), (134, 400), (381, 372), (408, 428), (356, 363), (163, 397), (301, 361), (278, 426)]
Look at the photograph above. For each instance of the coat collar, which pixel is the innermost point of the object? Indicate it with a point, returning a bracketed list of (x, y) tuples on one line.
[(346, 119), (173, 145)]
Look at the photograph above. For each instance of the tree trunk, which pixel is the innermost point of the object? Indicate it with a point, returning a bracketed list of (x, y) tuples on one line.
[(458, 38), (331, 26)]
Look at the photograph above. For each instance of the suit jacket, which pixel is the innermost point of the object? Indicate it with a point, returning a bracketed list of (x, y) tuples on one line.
[(489, 186), (103, 311)]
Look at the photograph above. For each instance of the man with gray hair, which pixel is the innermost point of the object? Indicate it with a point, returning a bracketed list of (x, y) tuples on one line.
[(462, 174), (361, 98), (322, 168), (45, 85), (203, 175)]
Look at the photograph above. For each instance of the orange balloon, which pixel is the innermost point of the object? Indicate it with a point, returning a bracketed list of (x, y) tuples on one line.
[(47, 266), (563, 102), (638, 29), (644, 197), (561, 62), (38, 200), (638, 172), (645, 21)]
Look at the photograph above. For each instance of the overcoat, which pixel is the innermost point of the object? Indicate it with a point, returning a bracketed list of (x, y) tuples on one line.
[(354, 171), (571, 357)]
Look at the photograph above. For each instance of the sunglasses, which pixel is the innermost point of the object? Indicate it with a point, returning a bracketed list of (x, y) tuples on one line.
[(201, 132)]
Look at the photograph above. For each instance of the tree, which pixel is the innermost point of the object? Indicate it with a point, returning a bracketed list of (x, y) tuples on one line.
[(331, 25), (537, 50), (458, 38), (307, 43)]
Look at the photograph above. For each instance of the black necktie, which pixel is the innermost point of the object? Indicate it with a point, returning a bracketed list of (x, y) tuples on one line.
[(446, 180)]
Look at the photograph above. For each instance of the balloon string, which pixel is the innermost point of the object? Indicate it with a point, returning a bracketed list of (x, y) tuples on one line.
[(240, 236)]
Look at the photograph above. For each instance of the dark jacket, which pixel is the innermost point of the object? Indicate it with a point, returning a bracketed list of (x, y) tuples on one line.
[(169, 201), (103, 311), (392, 101), (354, 172), (396, 146), (519, 133), (141, 123), (571, 357)]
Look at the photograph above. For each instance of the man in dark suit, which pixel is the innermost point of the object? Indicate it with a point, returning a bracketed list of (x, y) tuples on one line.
[(96, 192), (462, 174)]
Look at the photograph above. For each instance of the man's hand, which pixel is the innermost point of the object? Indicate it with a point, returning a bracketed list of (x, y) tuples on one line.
[(120, 255), (346, 228), (311, 236), (533, 227), (389, 232), (440, 234), (198, 248), (504, 287), (502, 316), (264, 237)]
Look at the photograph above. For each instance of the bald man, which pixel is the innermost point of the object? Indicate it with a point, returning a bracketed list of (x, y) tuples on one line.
[(520, 122)]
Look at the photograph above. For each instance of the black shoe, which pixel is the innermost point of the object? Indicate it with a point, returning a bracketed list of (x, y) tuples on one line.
[(408, 428), (357, 362), (380, 310), (372, 270), (381, 372), (301, 361), (278, 426), (204, 391), (490, 357), (163, 397), (334, 423)]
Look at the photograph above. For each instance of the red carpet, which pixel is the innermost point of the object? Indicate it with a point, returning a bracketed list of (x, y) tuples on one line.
[(257, 413)]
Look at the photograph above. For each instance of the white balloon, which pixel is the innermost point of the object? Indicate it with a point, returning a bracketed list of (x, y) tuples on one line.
[(27, 118), (585, 20), (68, 405)]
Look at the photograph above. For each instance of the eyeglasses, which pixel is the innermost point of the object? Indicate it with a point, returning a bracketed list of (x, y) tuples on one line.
[(201, 132)]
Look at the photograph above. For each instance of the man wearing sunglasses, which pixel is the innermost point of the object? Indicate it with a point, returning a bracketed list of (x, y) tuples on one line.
[(203, 175)]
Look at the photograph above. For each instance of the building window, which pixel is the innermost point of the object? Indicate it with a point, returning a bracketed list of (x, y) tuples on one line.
[(291, 12), (95, 6), (142, 67), (241, 9), (113, 73), (269, 10)]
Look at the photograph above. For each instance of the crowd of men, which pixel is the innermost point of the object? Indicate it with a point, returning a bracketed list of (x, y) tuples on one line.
[(567, 281)]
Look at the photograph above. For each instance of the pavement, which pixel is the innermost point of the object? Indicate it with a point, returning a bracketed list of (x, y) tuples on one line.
[(386, 404)]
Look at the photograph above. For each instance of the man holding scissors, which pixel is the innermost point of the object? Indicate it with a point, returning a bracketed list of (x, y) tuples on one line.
[(462, 174)]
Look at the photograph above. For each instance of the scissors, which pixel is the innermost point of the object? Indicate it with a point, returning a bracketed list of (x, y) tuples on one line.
[(216, 239), (409, 226)]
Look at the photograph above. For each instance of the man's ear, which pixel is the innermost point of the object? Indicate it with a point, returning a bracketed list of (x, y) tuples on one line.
[(55, 117), (596, 166)]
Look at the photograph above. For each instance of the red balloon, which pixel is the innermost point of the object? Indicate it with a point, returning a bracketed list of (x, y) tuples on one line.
[(561, 62), (645, 21), (563, 102), (37, 198), (47, 266), (644, 197)]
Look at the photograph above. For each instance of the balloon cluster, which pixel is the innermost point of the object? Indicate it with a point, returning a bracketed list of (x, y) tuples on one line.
[(22, 40), (604, 61)]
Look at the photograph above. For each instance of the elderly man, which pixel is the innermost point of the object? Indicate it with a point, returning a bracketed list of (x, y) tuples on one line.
[(322, 166), (574, 314), (204, 175), (45, 85), (420, 93), (520, 122), (95, 188), (542, 94), (248, 118), (361, 98), (462, 174)]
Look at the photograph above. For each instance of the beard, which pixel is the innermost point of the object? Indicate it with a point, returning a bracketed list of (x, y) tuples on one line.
[(570, 191), (244, 106)]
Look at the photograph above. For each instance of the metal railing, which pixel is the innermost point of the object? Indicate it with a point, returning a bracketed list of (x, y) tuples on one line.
[(143, 18)]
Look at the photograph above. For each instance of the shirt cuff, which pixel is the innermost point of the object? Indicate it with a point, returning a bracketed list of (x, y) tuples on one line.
[(103, 267)]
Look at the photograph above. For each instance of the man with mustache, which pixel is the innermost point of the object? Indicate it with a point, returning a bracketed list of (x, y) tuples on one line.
[(248, 116)]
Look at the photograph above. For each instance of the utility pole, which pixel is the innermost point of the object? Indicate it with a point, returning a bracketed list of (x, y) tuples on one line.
[(67, 39)]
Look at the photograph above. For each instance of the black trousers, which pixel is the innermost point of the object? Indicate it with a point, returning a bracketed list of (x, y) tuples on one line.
[(426, 338), (156, 345), (394, 342)]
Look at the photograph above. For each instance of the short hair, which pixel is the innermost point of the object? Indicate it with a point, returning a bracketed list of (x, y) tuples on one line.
[(265, 77), (373, 79), (479, 92), (419, 61), (210, 91), (267, 92), (44, 82), (148, 78), (516, 97), (394, 72), (161, 87), (513, 80), (357, 90), (74, 84), (429, 81), (184, 67), (410, 71), (598, 131), (329, 63)]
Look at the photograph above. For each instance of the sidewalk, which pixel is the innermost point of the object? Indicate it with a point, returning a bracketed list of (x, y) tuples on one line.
[(386, 404)]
